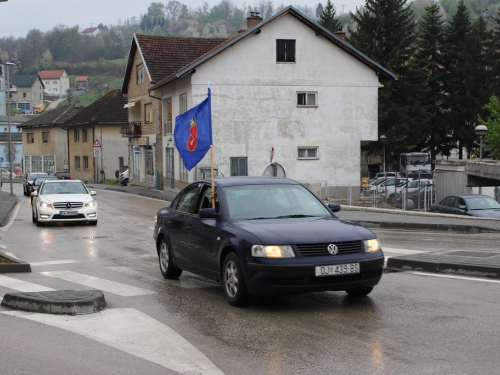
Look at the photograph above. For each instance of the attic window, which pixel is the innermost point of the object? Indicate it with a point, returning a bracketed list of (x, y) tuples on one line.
[(285, 50), (140, 74)]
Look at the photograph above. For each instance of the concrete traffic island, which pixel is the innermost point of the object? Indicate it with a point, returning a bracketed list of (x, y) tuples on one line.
[(9, 264), (61, 302)]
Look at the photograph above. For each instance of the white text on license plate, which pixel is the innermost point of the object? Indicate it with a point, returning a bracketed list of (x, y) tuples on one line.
[(68, 213), (337, 269)]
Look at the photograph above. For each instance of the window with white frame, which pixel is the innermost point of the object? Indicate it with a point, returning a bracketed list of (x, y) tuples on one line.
[(183, 103), (183, 171), (307, 99), (239, 166), (309, 152), (77, 162)]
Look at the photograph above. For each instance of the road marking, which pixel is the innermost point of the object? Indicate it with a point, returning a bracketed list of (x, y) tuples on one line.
[(135, 333), (22, 286), (52, 262), (456, 277), (97, 283), (402, 251)]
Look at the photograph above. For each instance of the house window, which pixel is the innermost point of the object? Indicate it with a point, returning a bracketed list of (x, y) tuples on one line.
[(169, 155), (285, 50), (184, 171), (23, 107), (239, 167), (86, 163), (167, 125), (24, 95), (183, 103), (29, 138), (77, 162), (54, 82), (308, 99), (55, 89), (140, 74), (76, 133), (148, 113), (47, 82), (307, 153), (45, 137), (85, 137)]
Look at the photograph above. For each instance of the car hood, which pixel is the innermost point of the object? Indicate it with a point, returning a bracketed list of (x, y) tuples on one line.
[(51, 198), (305, 230), (485, 213)]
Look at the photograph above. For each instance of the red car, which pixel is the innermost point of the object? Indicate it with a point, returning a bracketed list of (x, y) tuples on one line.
[(17, 171)]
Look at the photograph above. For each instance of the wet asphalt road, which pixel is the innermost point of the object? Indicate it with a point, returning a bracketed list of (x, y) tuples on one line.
[(410, 324)]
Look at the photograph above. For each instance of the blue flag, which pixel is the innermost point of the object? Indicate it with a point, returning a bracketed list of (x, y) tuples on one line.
[(193, 133)]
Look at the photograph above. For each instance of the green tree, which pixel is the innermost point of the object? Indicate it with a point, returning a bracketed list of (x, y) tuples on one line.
[(327, 18), (46, 60), (384, 31), (492, 139)]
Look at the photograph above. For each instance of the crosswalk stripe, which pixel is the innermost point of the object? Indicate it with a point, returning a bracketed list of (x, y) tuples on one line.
[(52, 262), (20, 285), (133, 332), (98, 283)]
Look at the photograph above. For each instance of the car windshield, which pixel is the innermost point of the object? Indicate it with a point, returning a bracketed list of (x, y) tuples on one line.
[(63, 188), (252, 202), (482, 203)]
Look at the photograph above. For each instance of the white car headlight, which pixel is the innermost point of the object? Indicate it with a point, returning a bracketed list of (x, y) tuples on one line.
[(46, 205), (372, 246), (272, 251), (90, 204)]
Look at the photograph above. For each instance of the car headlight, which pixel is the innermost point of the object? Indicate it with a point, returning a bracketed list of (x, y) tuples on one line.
[(372, 246), (272, 251), (90, 204), (46, 205)]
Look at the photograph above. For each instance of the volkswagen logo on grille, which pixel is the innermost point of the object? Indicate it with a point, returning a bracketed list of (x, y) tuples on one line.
[(68, 205), (333, 249)]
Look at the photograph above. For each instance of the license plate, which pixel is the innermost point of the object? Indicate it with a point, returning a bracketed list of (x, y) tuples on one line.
[(337, 269), (68, 213)]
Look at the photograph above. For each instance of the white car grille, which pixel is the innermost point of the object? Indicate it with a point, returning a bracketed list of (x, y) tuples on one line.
[(67, 205)]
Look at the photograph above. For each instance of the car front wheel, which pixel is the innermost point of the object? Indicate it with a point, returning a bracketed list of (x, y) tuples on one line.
[(233, 280), (360, 292), (167, 267)]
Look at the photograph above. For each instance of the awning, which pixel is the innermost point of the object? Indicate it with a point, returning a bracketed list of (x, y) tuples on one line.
[(128, 105)]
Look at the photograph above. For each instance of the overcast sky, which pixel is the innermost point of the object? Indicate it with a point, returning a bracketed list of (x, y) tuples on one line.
[(17, 17)]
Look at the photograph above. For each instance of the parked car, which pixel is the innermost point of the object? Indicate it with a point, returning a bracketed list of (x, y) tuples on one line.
[(124, 178), (417, 199), (63, 201), (16, 171), (389, 174), (265, 236), (389, 185), (61, 175), (38, 181), (407, 188), (5, 174), (469, 205), (28, 180)]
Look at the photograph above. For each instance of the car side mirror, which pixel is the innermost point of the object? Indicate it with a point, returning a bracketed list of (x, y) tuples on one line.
[(93, 192), (462, 207), (335, 207), (209, 213)]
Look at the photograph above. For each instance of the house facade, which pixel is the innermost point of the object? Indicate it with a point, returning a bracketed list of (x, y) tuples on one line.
[(56, 81), (3, 102), (96, 148), (26, 91), (152, 58), (45, 142), (300, 110), (15, 140), (81, 84)]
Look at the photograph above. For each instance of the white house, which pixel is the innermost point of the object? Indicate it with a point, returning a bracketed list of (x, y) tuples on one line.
[(56, 81), (285, 91)]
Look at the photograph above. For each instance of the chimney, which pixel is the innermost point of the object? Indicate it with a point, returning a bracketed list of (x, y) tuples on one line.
[(253, 19), (340, 34)]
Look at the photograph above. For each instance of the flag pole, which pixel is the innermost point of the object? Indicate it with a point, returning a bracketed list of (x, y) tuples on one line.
[(212, 173)]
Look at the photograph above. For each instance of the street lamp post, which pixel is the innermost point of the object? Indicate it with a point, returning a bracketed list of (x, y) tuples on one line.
[(10, 154), (481, 130), (383, 138)]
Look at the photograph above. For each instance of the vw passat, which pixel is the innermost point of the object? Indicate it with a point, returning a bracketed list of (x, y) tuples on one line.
[(63, 201), (265, 236)]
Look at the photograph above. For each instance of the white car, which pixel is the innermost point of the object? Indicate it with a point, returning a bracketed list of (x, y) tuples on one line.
[(5, 174), (63, 201), (124, 178)]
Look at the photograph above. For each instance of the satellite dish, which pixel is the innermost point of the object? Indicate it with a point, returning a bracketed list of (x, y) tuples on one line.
[(274, 170)]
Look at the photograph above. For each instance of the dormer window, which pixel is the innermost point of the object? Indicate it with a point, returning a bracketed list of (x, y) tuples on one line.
[(285, 50)]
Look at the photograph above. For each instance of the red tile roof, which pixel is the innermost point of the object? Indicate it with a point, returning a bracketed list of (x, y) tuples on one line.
[(89, 30), (82, 79), (50, 74), (164, 56)]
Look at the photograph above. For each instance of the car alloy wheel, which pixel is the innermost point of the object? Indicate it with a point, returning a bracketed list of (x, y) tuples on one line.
[(167, 268), (234, 281)]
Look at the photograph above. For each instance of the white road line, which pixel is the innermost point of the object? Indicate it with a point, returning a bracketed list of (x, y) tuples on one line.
[(402, 251), (12, 255), (456, 277), (20, 285), (97, 283), (135, 333), (52, 262)]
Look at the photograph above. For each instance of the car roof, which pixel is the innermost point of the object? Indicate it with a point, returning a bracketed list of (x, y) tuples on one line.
[(58, 181), (254, 180)]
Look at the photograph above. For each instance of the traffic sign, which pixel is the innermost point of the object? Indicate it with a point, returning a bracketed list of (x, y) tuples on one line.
[(97, 152), (97, 143)]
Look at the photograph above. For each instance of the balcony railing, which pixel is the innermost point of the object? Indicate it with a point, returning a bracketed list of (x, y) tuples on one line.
[(132, 129)]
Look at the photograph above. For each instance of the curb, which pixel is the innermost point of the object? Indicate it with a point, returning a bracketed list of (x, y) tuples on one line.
[(60, 302), (433, 227), (17, 266)]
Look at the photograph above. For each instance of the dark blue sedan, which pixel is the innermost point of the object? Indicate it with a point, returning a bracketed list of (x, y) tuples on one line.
[(265, 236)]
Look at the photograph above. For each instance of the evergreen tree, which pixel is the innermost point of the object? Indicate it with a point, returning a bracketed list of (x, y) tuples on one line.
[(327, 18), (492, 139), (430, 45), (384, 31)]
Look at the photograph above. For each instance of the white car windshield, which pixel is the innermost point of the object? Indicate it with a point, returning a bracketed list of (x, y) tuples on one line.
[(272, 201), (63, 188)]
